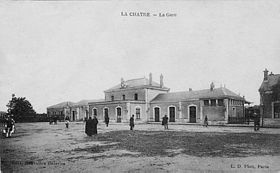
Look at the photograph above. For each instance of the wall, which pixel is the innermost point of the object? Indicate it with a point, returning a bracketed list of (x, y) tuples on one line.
[(129, 94), (185, 110), (56, 112), (214, 113), (164, 110), (267, 107), (143, 113), (239, 107), (127, 109)]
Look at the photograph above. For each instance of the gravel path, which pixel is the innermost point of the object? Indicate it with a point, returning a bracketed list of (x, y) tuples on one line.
[(40, 147)]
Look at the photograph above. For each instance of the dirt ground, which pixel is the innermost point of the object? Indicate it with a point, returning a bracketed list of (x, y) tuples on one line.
[(40, 147)]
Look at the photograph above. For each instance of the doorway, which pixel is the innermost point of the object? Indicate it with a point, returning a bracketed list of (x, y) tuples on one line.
[(119, 115), (105, 113), (73, 115), (192, 114), (171, 114), (156, 114)]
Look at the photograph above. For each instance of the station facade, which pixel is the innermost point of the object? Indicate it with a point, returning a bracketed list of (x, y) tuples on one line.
[(149, 101)]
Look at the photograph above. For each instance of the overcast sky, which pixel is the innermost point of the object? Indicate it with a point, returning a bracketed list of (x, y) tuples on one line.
[(52, 52)]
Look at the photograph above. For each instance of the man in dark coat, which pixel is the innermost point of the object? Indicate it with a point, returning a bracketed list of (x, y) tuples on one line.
[(256, 122), (95, 122), (206, 121), (107, 120), (165, 122), (131, 122), (89, 127)]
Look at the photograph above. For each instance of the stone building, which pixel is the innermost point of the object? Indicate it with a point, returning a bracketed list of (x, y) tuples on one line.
[(127, 98), (60, 110), (219, 104), (270, 98), (149, 101), (75, 111)]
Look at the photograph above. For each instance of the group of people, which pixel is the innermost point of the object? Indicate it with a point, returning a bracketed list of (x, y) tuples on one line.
[(91, 123), (91, 126), (9, 124)]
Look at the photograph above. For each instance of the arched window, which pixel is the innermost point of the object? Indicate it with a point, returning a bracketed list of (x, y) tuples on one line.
[(106, 112), (94, 112)]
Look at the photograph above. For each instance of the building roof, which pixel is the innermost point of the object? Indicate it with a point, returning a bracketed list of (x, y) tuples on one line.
[(61, 105), (136, 83), (85, 102), (272, 80), (72, 104), (199, 94)]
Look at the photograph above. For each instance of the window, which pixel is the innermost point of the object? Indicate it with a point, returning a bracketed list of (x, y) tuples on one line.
[(112, 98), (213, 102), (94, 111), (106, 110), (136, 96), (233, 112), (123, 97), (137, 113), (276, 110), (206, 102), (220, 102)]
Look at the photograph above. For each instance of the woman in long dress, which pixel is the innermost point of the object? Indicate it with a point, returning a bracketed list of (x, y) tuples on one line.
[(89, 127)]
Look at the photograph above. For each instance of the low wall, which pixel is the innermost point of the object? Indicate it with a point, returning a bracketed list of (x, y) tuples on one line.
[(269, 122)]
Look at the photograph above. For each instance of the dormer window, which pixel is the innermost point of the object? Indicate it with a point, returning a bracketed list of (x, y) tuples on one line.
[(112, 98), (135, 96), (123, 97)]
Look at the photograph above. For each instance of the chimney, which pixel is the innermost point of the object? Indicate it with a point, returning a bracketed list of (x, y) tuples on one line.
[(212, 86), (190, 89), (122, 83), (265, 74), (161, 81), (150, 79)]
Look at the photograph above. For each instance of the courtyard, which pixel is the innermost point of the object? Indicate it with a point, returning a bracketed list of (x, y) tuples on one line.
[(40, 147)]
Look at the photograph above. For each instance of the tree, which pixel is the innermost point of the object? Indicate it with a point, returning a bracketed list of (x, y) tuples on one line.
[(21, 109)]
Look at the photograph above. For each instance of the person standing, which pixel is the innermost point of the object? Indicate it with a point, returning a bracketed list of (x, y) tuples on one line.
[(10, 125), (107, 120), (206, 121), (131, 122), (89, 127), (95, 122), (256, 122), (67, 122), (165, 122)]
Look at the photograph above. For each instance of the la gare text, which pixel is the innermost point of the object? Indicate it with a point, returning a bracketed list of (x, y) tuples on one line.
[(147, 14)]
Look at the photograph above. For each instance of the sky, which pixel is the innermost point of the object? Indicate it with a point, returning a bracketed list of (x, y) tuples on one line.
[(55, 51)]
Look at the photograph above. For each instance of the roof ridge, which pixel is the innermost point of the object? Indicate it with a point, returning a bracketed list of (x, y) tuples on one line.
[(223, 90), (136, 79)]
